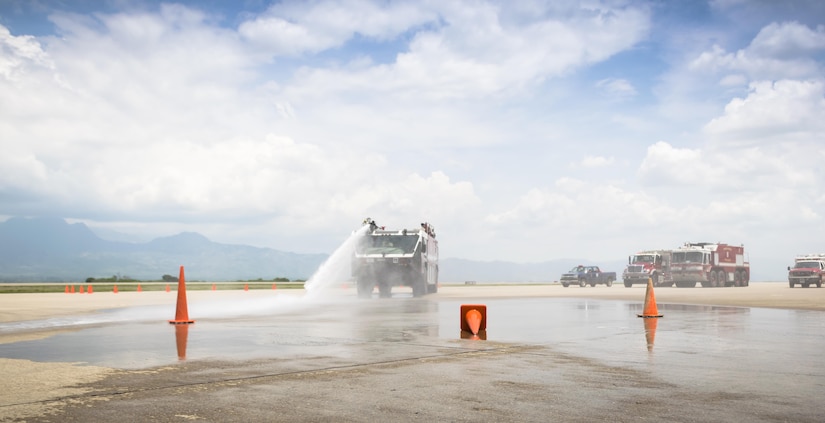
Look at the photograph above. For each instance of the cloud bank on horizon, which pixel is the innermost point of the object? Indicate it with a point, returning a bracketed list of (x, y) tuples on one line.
[(522, 131)]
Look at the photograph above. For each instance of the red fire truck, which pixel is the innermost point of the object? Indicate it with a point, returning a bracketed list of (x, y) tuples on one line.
[(650, 264), (711, 264)]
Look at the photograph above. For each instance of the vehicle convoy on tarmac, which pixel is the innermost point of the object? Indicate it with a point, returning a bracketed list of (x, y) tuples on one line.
[(650, 264), (388, 258), (710, 264), (807, 270), (587, 275)]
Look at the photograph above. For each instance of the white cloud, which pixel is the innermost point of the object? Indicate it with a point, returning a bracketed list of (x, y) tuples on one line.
[(594, 162), (779, 51), (620, 88), (785, 110)]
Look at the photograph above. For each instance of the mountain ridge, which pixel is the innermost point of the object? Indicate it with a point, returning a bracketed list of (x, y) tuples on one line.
[(50, 249)]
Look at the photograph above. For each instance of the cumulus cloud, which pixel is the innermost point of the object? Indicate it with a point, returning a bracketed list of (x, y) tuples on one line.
[(780, 50), (785, 110)]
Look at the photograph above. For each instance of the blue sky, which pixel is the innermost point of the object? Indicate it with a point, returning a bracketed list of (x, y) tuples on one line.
[(524, 131)]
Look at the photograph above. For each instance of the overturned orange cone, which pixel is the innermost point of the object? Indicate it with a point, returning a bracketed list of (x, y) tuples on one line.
[(650, 309), (182, 310), (473, 318)]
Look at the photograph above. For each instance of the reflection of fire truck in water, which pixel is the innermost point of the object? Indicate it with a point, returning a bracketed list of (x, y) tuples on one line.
[(711, 264), (651, 264), (406, 257)]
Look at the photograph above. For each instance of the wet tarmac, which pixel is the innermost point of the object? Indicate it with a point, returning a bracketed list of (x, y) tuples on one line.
[(765, 364)]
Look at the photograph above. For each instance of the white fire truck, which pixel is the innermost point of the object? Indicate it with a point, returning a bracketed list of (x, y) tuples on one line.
[(710, 264), (807, 270), (387, 258), (650, 264)]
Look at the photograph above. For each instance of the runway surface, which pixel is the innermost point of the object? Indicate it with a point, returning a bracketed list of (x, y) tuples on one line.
[(554, 356)]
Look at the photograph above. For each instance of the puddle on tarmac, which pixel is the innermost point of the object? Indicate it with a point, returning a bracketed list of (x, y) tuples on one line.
[(607, 331)]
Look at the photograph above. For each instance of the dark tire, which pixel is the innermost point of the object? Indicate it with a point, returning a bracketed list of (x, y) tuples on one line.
[(565, 284), (419, 287), (819, 283), (384, 290), (737, 278), (365, 288), (723, 279), (790, 284), (432, 289), (628, 284), (713, 279), (609, 282), (582, 283)]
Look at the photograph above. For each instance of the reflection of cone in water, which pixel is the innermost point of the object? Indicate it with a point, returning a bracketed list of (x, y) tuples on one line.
[(650, 332), (182, 310), (181, 337), (650, 309)]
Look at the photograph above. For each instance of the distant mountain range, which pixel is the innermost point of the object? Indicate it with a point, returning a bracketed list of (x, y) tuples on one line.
[(50, 249)]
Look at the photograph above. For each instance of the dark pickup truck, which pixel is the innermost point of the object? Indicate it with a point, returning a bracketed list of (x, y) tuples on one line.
[(587, 275)]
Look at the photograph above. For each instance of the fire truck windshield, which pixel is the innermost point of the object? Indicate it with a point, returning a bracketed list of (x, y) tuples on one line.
[(806, 265), (646, 258), (387, 244), (687, 257)]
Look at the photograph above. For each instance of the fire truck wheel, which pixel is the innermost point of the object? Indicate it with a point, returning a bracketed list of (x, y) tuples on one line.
[(714, 279), (723, 279), (419, 287), (628, 284), (432, 289), (364, 289), (384, 290), (582, 283), (737, 278), (790, 284)]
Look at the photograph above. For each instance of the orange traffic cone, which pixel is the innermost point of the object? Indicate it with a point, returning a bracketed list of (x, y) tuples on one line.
[(213, 287), (71, 291), (67, 289), (139, 289), (245, 287), (81, 289), (650, 309), (167, 287), (182, 310), (114, 289), (274, 287), (90, 290)]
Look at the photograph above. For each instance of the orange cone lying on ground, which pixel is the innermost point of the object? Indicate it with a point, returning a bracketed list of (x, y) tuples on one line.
[(182, 310), (650, 309)]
